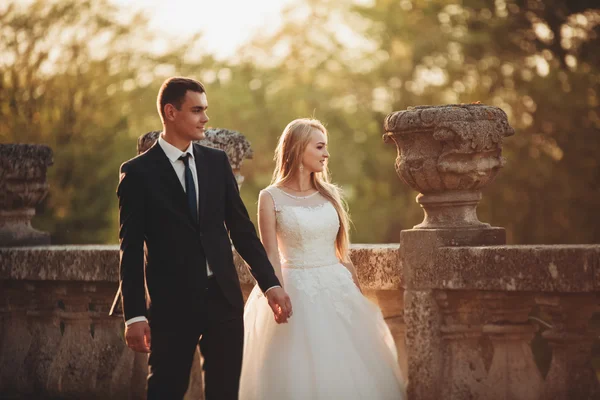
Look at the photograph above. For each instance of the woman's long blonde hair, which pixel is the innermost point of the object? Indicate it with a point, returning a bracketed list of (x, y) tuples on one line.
[(288, 159)]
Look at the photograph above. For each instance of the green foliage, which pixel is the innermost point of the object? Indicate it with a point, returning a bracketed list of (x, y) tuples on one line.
[(76, 78)]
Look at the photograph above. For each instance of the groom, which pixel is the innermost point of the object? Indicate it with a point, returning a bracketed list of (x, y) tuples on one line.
[(181, 200)]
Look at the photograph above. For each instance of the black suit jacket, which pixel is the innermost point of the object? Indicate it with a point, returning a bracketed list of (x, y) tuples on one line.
[(163, 253)]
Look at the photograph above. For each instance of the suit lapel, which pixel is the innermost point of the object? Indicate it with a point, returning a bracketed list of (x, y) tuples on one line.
[(166, 174), (202, 172)]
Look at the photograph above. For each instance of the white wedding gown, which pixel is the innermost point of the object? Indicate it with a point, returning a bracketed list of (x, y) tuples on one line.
[(337, 344)]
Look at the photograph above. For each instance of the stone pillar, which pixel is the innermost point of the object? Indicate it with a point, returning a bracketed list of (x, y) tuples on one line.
[(571, 375), (22, 187), (448, 154)]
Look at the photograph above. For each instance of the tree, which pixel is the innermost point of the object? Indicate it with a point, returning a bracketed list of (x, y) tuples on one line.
[(72, 78)]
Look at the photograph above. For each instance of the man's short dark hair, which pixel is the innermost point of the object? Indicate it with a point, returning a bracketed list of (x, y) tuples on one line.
[(173, 90)]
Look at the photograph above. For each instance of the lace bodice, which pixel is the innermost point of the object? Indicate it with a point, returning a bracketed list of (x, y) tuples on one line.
[(306, 229)]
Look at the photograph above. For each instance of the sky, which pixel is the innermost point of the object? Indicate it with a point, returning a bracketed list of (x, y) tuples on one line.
[(225, 24)]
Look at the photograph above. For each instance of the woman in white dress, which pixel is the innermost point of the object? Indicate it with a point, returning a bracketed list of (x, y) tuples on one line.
[(337, 344)]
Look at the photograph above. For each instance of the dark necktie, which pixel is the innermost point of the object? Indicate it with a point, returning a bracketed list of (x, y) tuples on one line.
[(190, 187)]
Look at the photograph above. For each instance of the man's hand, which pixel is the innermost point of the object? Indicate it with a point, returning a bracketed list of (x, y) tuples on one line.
[(137, 336), (280, 303)]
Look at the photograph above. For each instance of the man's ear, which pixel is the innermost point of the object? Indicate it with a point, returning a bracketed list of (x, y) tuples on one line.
[(170, 111)]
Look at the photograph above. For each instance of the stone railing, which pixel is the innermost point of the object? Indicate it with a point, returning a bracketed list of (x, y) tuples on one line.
[(57, 340), (469, 327), (469, 298)]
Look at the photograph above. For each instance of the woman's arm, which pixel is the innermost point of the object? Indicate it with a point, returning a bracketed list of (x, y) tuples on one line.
[(267, 227)]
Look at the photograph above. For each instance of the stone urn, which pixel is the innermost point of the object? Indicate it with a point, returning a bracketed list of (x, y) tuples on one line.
[(448, 154), (22, 187)]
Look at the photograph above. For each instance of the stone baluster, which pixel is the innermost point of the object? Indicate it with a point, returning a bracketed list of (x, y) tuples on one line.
[(463, 371), (513, 373), (75, 365), (22, 187), (46, 335), (571, 375), (15, 338), (115, 359)]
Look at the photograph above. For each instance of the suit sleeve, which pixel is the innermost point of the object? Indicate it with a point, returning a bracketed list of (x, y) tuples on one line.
[(243, 234), (131, 236)]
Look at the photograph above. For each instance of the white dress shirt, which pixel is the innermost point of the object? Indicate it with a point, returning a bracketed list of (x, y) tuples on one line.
[(173, 154)]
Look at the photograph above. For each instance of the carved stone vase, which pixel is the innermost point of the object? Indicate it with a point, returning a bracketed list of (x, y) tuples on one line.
[(22, 187), (448, 153)]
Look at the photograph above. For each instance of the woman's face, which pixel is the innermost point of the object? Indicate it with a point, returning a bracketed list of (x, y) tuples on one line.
[(315, 156)]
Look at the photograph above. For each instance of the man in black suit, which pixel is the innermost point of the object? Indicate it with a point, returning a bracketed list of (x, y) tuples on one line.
[(180, 200)]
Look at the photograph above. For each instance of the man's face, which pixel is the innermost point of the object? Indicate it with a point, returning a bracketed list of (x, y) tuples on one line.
[(191, 118)]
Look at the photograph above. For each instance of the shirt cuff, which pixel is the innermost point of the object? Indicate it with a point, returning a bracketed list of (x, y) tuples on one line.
[(272, 287), (135, 319)]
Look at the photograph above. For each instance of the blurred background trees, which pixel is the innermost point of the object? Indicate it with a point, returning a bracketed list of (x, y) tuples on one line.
[(82, 78)]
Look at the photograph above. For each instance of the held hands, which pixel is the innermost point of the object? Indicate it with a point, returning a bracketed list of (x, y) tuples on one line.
[(280, 303), (137, 337)]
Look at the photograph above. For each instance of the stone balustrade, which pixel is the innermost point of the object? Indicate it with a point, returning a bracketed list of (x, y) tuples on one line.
[(57, 340), (468, 330), (469, 327)]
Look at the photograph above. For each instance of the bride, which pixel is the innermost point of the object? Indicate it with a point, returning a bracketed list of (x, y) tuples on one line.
[(337, 345)]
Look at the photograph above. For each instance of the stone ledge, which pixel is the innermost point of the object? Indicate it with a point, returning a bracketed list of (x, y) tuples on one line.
[(377, 264), (544, 268), (89, 263)]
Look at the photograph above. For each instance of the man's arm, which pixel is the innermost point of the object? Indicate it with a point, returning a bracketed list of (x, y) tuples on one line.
[(131, 264), (243, 234), (247, 243), (131, 236)]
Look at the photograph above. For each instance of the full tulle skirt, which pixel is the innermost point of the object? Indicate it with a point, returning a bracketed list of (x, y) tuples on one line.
[(335, 346)]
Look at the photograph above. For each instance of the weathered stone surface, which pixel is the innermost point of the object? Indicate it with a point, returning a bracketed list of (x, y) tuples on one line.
[(512, 372), (448, 153), (484, 294), (449, 147), (377, 266), (550, 268), (88, 263), (430, 263), (22, 187), (571, 374), (423, 344)]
